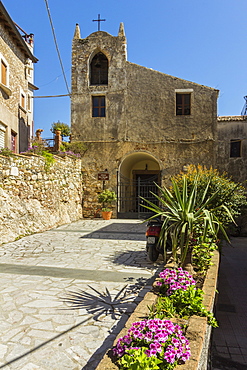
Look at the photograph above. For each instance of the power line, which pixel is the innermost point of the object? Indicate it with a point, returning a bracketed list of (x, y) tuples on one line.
[(56, 44), (50, 96)]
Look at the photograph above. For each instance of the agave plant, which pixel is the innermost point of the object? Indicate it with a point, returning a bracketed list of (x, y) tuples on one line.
[(182, 212)]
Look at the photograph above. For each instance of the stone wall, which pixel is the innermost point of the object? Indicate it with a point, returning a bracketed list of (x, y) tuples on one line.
[(34, 198)]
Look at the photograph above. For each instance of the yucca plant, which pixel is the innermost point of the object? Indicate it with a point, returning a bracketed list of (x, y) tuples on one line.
[(182, 212)]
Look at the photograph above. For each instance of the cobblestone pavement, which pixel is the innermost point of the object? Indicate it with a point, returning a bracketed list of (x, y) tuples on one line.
[(66, 292)]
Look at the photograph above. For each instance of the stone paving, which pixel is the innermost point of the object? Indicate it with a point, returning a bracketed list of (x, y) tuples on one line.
[(66, 292), (229, 341)]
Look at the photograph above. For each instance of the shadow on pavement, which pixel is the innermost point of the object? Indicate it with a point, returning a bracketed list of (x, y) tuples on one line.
[(135, 259), (43, 344), (119, 231), (100, 304), (115, 330)]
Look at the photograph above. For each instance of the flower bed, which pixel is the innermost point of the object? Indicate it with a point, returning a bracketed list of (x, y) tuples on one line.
[(154, 344), (197, 332)]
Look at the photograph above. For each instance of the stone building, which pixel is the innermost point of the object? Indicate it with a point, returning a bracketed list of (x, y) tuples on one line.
[(139, 125), (232, 147), (16, 84)]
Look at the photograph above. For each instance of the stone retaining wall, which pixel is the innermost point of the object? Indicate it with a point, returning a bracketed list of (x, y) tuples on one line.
[(198, 332), (34, 198)]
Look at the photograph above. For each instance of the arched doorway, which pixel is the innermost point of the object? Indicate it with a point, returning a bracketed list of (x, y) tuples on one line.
[(138, 174)]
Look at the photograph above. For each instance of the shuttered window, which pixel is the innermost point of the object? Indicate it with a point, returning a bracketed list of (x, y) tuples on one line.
[(3, 73), (23, 100), (2, 136), (13, 141)]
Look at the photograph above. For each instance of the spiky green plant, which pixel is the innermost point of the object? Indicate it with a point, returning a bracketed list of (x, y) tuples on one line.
[(182, 212)]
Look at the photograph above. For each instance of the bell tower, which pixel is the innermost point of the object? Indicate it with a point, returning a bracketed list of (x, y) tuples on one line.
[(98, 86)]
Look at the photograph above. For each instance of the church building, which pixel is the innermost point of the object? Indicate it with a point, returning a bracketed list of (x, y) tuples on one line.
[(139, 126)]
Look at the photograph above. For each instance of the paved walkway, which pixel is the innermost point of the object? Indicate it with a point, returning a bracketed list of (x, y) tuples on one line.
[(66, 292), (229, 341)]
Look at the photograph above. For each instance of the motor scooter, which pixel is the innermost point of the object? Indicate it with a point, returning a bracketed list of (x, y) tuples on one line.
[(153, 246)]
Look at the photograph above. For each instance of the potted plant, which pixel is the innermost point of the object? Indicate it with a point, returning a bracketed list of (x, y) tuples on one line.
[(106, 197)]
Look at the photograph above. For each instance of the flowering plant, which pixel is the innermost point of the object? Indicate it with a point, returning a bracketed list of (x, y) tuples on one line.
[(70, 153), (152, 344), (173, 280), (179, 297)]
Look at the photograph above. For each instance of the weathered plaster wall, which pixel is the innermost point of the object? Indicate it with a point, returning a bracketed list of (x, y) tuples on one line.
[(33, 199), (140, 102), (232, 128), (172, 157), (140, 117)]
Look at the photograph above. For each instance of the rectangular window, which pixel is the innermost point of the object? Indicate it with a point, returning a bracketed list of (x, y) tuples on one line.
[(2, 135), (2, 139), (29, 102), (235, 148), (3, 73), (23, 100), (13, 141), (183, 102), (98, 103)]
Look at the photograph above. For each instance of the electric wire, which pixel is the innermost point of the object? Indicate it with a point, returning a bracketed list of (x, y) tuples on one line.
[(56, 44)]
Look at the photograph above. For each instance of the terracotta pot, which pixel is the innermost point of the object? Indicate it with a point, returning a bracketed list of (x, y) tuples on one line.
[(106, 215)]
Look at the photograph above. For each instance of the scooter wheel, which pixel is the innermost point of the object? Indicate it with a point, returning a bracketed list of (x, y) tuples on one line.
[(153, 254)]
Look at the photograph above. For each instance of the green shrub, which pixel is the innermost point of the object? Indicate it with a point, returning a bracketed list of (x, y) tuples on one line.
[(202, 255), (77, 147), (107, 197), (229, 193), (183, 304), (6, 152), (63, 127), (187, 214)]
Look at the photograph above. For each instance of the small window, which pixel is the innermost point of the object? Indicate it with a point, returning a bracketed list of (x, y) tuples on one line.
[(235, 148), (29, 106), (23, 100), (98, 103), (183, 103), (2, 135), (13, 141), (3, 73)]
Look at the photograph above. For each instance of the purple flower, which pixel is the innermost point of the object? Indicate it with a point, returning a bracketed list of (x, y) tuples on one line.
[(158, 338)]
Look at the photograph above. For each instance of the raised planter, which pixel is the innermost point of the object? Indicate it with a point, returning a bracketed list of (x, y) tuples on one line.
[(198, 331)]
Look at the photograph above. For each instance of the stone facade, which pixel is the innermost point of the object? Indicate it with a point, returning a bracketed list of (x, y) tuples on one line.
[(232, 147), (34, 198), (16, 85), (139, 131)]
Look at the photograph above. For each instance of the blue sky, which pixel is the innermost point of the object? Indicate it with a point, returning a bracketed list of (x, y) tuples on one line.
[(197, 40)]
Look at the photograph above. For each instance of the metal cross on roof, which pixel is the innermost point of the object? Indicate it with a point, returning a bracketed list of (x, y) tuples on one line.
[(99, 20)]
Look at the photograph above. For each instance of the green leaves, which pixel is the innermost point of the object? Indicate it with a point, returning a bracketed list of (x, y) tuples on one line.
[(183, 304), (135, 359), (62, 127), (183, 211), (107, 197)]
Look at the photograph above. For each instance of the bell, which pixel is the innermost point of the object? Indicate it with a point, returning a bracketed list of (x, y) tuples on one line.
[(97, 63)]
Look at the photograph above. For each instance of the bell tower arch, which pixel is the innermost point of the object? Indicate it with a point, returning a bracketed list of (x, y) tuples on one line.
[(99, 69)]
